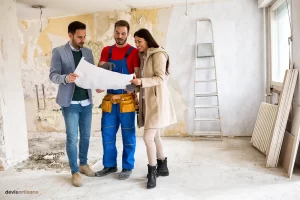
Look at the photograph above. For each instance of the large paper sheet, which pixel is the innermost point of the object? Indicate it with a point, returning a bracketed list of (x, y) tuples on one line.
[(93, 77)]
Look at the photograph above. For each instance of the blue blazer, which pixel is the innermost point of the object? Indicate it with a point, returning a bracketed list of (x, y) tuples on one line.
[(62, 64)]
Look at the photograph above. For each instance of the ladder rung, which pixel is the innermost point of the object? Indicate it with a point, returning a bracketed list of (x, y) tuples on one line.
[(209, 56), (207, 94), (206, 106), (207, 133), (207, 119), (206, 81), (202, 68)]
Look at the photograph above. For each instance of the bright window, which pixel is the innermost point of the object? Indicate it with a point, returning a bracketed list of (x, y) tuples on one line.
[(280, 32)]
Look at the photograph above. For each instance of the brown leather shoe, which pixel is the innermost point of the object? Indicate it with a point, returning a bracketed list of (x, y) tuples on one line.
[(77, 180), (85, 169)]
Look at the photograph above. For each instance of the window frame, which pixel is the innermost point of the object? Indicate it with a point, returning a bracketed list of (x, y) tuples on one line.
[(273, 42)]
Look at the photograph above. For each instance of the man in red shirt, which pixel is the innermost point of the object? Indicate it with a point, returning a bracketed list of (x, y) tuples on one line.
[(121, 110)]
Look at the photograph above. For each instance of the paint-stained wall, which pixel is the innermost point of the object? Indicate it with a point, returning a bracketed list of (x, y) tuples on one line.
[(238, 49), (36, 55)]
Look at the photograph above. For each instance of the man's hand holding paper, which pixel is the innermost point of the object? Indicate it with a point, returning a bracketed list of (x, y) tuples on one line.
[(93, 77)]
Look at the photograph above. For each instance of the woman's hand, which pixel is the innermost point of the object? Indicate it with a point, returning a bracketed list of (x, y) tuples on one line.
[(128, 92), (136, 81)]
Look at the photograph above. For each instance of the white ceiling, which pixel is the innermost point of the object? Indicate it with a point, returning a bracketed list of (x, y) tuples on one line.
[(58, 8)]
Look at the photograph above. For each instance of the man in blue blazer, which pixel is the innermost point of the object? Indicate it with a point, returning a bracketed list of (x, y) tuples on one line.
[(76, 102)]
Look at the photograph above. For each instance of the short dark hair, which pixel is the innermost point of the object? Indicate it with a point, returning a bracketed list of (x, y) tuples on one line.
[(144, 33), (75, 26), (123, 23)]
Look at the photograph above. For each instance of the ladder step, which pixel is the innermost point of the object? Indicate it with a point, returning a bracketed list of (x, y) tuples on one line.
[(207, 106), (206, 81), (208, 56), (207, 133), (207, 119), (207, 94), (202, 68)]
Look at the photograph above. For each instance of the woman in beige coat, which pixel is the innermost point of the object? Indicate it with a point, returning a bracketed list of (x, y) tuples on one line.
[(156, 109)]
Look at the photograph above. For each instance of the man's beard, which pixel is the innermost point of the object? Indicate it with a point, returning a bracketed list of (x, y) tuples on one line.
[(120, 41), (79, 45)]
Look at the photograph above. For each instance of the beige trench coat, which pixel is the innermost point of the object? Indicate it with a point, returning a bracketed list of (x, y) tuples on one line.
[(159, 110)]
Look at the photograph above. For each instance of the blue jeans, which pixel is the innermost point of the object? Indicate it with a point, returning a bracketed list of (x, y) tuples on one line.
[(109, 126), (77, 116)]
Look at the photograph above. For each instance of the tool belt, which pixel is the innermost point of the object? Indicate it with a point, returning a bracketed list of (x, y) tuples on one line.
[(128, 102)]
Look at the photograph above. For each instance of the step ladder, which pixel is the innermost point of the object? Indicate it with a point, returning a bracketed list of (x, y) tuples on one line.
[(207, 121)]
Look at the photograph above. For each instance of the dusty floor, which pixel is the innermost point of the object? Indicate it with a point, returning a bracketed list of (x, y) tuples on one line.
[(206, 170)]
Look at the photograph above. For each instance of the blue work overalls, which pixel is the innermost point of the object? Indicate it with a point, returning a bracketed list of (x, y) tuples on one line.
[(111, 122)]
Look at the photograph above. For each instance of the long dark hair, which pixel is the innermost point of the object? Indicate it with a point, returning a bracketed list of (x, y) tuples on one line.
[(146, 35)]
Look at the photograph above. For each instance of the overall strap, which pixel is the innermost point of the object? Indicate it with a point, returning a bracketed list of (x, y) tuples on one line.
[(110, 51), (128, 52)]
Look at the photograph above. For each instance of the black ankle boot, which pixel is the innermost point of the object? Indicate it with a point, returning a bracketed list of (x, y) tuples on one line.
[(162, 167), (151, 177)]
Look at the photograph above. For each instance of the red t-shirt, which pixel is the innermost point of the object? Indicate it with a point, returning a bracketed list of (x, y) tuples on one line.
[(132, 61)]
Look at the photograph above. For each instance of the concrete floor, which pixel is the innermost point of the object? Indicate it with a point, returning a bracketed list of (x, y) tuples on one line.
[(206, 170)]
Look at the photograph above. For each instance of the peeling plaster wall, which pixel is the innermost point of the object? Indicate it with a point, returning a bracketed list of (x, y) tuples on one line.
[(238, 46), (36, 49), (13, 131)]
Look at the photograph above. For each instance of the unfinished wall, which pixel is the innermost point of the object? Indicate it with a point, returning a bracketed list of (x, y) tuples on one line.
[(43, 114), (238, 47), (13, 133), (238, 34)]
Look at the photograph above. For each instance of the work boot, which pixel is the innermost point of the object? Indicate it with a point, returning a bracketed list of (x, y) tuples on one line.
[(125, 174), (77, 180), (162, 167), (106, 170), (151, 177), (85, 169)]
